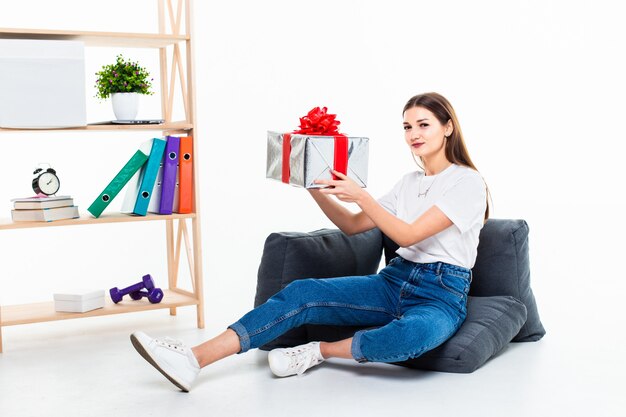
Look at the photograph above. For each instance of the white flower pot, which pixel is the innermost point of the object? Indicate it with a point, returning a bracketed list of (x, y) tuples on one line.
[(125, 105)]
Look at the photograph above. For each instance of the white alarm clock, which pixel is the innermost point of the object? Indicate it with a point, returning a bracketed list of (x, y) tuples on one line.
[(46, 181)]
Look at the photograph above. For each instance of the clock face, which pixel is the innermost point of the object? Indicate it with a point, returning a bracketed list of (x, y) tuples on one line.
[(49, 183)]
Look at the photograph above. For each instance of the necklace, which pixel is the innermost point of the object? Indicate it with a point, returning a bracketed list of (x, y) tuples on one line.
[(421, 194)]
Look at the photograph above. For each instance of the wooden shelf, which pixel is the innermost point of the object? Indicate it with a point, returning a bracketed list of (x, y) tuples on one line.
[(6, 224), (179, 238), (39, 312), (180, 126), (133, 40)]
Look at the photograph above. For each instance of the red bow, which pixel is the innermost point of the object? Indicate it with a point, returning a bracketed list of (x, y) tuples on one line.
[(318, 122)]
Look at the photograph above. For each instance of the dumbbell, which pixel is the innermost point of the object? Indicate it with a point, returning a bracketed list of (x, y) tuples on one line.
[(117, 294), (154, 295)]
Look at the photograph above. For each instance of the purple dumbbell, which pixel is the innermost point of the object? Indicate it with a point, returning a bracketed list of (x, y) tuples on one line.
[(154, 295), (117, 294)]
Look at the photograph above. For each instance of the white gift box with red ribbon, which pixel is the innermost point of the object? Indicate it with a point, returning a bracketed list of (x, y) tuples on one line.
[(301, 159)]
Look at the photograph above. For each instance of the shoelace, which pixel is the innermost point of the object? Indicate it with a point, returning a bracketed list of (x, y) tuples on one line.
[(173, 344), (302, 359)]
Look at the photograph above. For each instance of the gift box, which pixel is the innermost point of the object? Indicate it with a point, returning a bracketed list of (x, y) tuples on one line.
[(78, 301), (311, 153)]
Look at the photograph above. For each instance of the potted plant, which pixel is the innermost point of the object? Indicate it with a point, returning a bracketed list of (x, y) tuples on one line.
[(123, 81)]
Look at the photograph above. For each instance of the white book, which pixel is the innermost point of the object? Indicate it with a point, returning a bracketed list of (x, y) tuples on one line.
[(42, 202), (45, 215)]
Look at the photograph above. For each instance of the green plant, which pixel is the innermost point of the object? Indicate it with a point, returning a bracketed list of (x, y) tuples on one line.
[(124, 76)]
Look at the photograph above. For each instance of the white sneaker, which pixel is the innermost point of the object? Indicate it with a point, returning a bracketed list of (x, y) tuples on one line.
[(170, 357), (292, 361)]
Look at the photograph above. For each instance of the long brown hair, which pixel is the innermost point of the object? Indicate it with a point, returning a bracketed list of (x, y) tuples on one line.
[(455, 150)]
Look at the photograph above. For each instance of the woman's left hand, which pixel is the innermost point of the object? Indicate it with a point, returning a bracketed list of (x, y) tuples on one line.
[(344, 188)]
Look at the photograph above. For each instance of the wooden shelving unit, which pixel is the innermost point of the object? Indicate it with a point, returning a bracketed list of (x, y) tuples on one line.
[(177, 235)]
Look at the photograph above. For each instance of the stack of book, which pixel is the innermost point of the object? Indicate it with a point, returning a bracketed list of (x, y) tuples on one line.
[(44, 209), (158, 178)]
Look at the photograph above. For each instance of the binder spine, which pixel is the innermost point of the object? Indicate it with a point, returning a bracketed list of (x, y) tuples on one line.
[(170, 168), (149, 177), (186, 175)]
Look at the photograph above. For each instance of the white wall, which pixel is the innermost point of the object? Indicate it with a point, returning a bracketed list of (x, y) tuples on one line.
[(538, 87)]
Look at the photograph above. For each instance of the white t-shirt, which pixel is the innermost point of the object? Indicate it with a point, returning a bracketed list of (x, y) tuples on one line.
[(460, 193)]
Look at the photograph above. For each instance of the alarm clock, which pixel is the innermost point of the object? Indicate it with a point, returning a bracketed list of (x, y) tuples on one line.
[(46, 182)]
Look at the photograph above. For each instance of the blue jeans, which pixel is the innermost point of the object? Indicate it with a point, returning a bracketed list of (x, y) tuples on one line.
[(413, 307)]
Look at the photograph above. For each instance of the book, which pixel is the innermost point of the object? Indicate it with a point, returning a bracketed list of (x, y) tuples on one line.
[(42, 202), (185, 203), (45, 215), (149, 176), (121, 178)]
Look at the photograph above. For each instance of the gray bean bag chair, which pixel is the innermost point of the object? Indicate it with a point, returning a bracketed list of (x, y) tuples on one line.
[(501, 304)]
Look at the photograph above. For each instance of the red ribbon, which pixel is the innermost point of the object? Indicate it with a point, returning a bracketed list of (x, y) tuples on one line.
[(318, 122), (286, 155), (340, 163)]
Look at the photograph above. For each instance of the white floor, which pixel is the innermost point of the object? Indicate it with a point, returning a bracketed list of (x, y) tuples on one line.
[(89, 368)]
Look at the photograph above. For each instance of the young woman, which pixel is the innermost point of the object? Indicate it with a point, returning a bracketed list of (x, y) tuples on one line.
[(416, 302)]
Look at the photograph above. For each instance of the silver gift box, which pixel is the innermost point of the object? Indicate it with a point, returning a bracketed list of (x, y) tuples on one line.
[(312, 159)]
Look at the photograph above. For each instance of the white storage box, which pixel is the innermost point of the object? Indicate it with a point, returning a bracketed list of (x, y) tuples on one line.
[(78, 301), (42, 84)]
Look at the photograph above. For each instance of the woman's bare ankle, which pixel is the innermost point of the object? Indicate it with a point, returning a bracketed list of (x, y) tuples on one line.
[(340, 349)]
